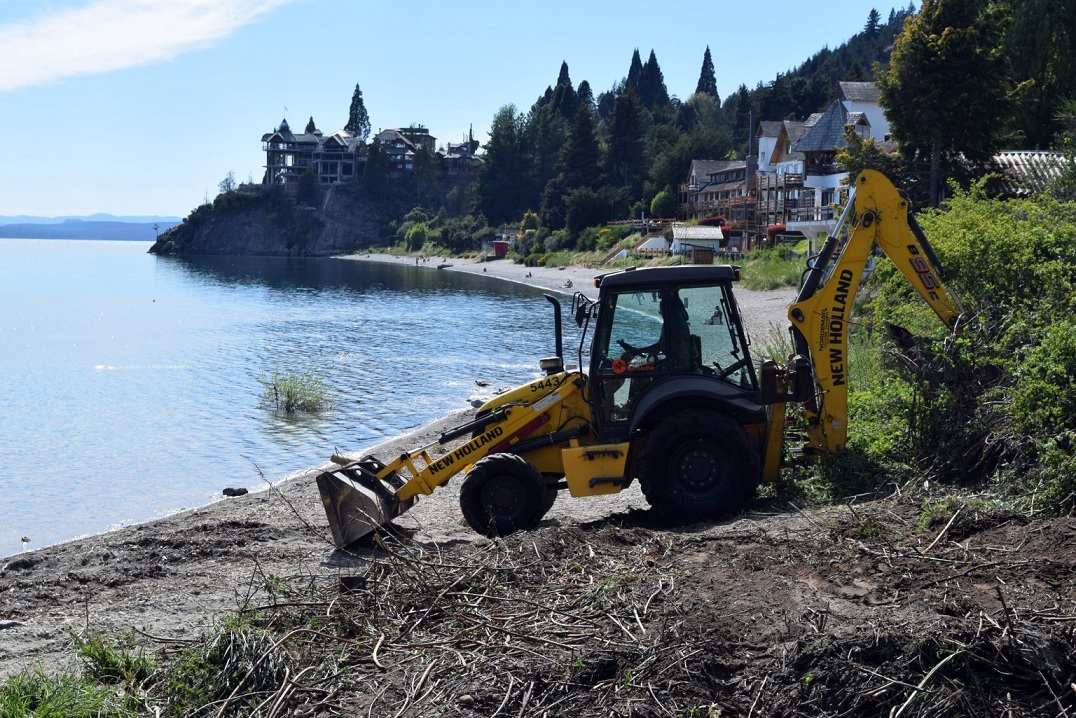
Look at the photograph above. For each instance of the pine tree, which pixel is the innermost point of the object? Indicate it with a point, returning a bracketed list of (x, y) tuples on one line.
[(873, 19), (311, 128), (635, 72), (707, 80), (652, 90), (625, 162), (579, 159), (358, 122)]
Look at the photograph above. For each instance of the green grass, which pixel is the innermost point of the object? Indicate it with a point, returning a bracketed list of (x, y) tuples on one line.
[(63, 695), (291, 393), (772, 269)]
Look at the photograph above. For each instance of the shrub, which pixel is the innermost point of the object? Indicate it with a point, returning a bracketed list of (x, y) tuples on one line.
[(291, 393)]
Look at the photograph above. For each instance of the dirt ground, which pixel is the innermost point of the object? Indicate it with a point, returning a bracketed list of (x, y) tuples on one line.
[(602, 611), (867, 609)]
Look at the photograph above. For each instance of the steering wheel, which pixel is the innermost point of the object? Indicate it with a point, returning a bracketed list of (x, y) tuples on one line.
[(629, 350)]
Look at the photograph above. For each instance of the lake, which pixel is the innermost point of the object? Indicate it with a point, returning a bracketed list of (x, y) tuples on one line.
[(129, 383)]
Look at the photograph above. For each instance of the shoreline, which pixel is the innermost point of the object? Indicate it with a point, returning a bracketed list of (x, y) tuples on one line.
[(554, 279), (763, 312)]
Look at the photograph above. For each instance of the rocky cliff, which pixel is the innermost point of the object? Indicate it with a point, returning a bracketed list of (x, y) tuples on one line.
[(267, 222)]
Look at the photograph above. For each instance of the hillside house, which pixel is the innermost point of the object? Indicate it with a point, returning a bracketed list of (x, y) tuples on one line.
[(340, 156), (721, 188)]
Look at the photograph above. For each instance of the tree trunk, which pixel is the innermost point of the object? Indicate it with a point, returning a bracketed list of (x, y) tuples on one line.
[(935, 171)]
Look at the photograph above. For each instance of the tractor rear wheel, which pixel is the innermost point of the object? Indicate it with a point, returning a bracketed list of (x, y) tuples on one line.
[(503, 493), (697, 466)]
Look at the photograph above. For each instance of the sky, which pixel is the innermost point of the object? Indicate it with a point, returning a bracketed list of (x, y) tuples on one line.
[(142, 107)]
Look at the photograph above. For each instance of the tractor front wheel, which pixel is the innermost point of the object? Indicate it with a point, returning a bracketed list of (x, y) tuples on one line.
[(698, 466), (503, 493)]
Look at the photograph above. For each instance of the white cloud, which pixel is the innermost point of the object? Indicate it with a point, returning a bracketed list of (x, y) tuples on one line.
[(106, 35)]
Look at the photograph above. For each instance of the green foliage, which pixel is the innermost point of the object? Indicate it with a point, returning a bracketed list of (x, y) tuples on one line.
[(1044, 396), (417, 236), (587, 208), (664, 203), (233, 202), (772, 269), (861, 153), (358, 119), (947, 92), (292, 393), (63, 695), (236, 658), (994, 403), (529, 221), (112, 663), (707, 84), (309, 192)]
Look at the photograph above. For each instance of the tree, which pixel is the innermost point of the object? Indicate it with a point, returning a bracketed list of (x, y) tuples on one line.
[(502, 181), (358, 120), (416, 237), (635, 71), (564, 98), (311, 128), (946, 92), (578, 167), (309, 191), (625, 162), (664, 203), (579, 158), (864, 153), (1041, 43), (374, 173), (707, 80), (652, 90), (228, 183), (873, 20)]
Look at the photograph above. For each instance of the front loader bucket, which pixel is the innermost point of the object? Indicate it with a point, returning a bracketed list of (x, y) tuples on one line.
[(356, 502)]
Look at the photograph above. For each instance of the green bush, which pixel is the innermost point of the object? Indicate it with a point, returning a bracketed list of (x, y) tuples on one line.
[(291, 393), (997, 402)]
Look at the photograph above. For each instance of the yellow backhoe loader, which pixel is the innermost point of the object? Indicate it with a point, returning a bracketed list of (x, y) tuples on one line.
[(671, 397)]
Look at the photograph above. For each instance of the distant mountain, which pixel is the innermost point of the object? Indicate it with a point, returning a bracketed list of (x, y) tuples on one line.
[(97, 226), (98, 217)]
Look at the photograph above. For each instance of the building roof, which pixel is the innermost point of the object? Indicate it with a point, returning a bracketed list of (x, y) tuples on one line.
[(696, 233), (768, 128), (860, 92), (702, 169), (1024, 173), (828, 132)]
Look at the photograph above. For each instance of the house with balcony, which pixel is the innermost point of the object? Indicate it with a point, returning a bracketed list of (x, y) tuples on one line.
[(333, 158), (722, 188), (341, 156), (824, 182)]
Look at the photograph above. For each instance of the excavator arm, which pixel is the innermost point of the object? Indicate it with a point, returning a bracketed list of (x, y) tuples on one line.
[(877, 215)]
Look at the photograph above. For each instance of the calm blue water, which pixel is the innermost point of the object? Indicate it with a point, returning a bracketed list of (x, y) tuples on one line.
[(129, 383)]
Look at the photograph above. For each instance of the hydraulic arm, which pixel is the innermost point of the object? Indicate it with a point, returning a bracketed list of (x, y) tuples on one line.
[(876, 215)]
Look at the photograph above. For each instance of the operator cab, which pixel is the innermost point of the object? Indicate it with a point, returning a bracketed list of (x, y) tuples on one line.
[(661, 326)]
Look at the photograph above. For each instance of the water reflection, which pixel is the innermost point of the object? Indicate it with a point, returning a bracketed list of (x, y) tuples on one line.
[(327, 273)]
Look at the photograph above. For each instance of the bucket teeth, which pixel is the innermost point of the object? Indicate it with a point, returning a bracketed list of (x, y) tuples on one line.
[(356, 502)]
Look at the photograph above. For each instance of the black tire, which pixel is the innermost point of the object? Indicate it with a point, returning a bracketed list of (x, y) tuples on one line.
[(698, 466), (502, 494)]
